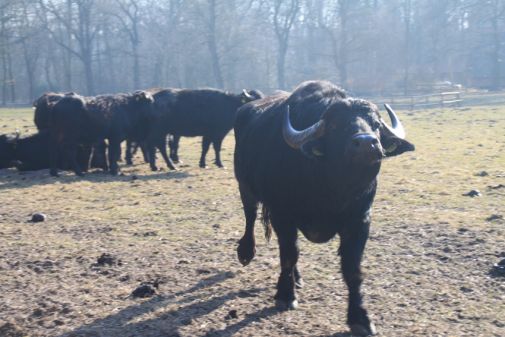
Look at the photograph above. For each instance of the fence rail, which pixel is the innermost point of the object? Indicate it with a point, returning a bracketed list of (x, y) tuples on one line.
[(443, 99)]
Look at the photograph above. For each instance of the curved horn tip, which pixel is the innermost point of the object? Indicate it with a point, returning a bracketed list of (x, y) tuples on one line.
[(397, 127)]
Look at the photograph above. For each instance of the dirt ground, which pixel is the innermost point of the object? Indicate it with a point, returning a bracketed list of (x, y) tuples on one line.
[(427, 263)]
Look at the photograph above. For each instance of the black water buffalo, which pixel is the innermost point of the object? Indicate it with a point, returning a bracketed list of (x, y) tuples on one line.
[(31, 153), (320, 180), (87, 120), (42, 118), (43, 106), (188, 113)]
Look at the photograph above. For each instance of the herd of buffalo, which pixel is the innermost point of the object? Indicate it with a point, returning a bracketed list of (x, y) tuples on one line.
[(310, 158)]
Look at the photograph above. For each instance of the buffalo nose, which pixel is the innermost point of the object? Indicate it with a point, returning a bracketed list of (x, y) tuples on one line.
[(365, 142)]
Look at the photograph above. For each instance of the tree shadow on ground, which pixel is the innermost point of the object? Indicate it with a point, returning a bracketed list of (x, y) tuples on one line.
[(11, 179), (168, 324)]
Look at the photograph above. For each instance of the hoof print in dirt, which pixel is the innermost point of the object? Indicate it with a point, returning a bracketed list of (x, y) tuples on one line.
[(494, 217), (38, 217), (147, 289), (472, 194), (495, 187), (482, 174), (106, 259), (11, 330), (498, 269), (232, 314)]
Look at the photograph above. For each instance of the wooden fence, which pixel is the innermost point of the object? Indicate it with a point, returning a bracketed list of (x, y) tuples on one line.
[(443, 99)]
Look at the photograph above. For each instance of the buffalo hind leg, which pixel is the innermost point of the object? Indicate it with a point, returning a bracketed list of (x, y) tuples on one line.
[(217, 149), (71, 155), (162, 146), (114, 153), (285, 298), (352, 245), (298, 278), (54, 150), (205, 149), (145, 152), (130, 151), (173, 143), (246, 245)]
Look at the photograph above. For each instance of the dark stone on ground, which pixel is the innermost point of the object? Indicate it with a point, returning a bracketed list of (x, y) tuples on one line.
[(38, 217), (143, 291), (472, 193), (232, 314), (106, 259)]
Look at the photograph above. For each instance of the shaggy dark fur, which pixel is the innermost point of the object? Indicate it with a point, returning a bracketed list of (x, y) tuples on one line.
[(31, 153), (188, 113), (87, 120), (325, 188)]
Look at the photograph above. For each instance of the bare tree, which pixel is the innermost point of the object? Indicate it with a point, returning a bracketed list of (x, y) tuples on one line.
[(284, 17)]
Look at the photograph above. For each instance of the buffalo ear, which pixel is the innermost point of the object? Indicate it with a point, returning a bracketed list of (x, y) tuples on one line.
[(142, 96), (394, 146)]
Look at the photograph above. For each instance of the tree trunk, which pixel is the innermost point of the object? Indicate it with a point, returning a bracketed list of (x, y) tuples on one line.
[(211, 41)]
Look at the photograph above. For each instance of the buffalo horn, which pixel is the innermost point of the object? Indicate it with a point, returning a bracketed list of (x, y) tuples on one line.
[(397, 128), (246, 94), (295, 138)]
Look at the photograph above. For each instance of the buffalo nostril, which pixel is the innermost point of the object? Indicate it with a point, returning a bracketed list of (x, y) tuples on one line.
[(356, 143)]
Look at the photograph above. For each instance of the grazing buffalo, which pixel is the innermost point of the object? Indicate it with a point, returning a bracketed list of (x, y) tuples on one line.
[(317, 175), (204, 112), (31, 153), (87, 120)]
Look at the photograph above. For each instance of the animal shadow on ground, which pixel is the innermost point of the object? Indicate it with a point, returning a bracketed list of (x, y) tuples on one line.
[(169, 323), (10, 179)]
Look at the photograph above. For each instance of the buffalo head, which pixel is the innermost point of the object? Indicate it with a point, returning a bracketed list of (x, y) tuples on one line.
[(349, 131), (250, 95)]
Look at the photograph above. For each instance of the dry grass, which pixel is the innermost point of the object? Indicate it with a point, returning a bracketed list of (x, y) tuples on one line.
[(427, 262)]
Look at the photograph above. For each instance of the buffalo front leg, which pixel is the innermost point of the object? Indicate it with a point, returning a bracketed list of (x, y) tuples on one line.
[(287, 236), (246, 245), (173, 143), (352, 245)]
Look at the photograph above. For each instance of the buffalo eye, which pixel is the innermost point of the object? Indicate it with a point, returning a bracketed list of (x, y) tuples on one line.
[(375, 125)]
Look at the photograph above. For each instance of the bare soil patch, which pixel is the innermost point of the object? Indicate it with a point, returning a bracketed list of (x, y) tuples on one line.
[(428, 263)]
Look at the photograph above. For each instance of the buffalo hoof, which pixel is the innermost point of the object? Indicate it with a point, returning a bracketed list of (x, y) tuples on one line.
[(129, 162), (361, 330), (79, 174), (245, 252), (154, 168), (219, 164), (114, 172), (286, 305), (203, 165)]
